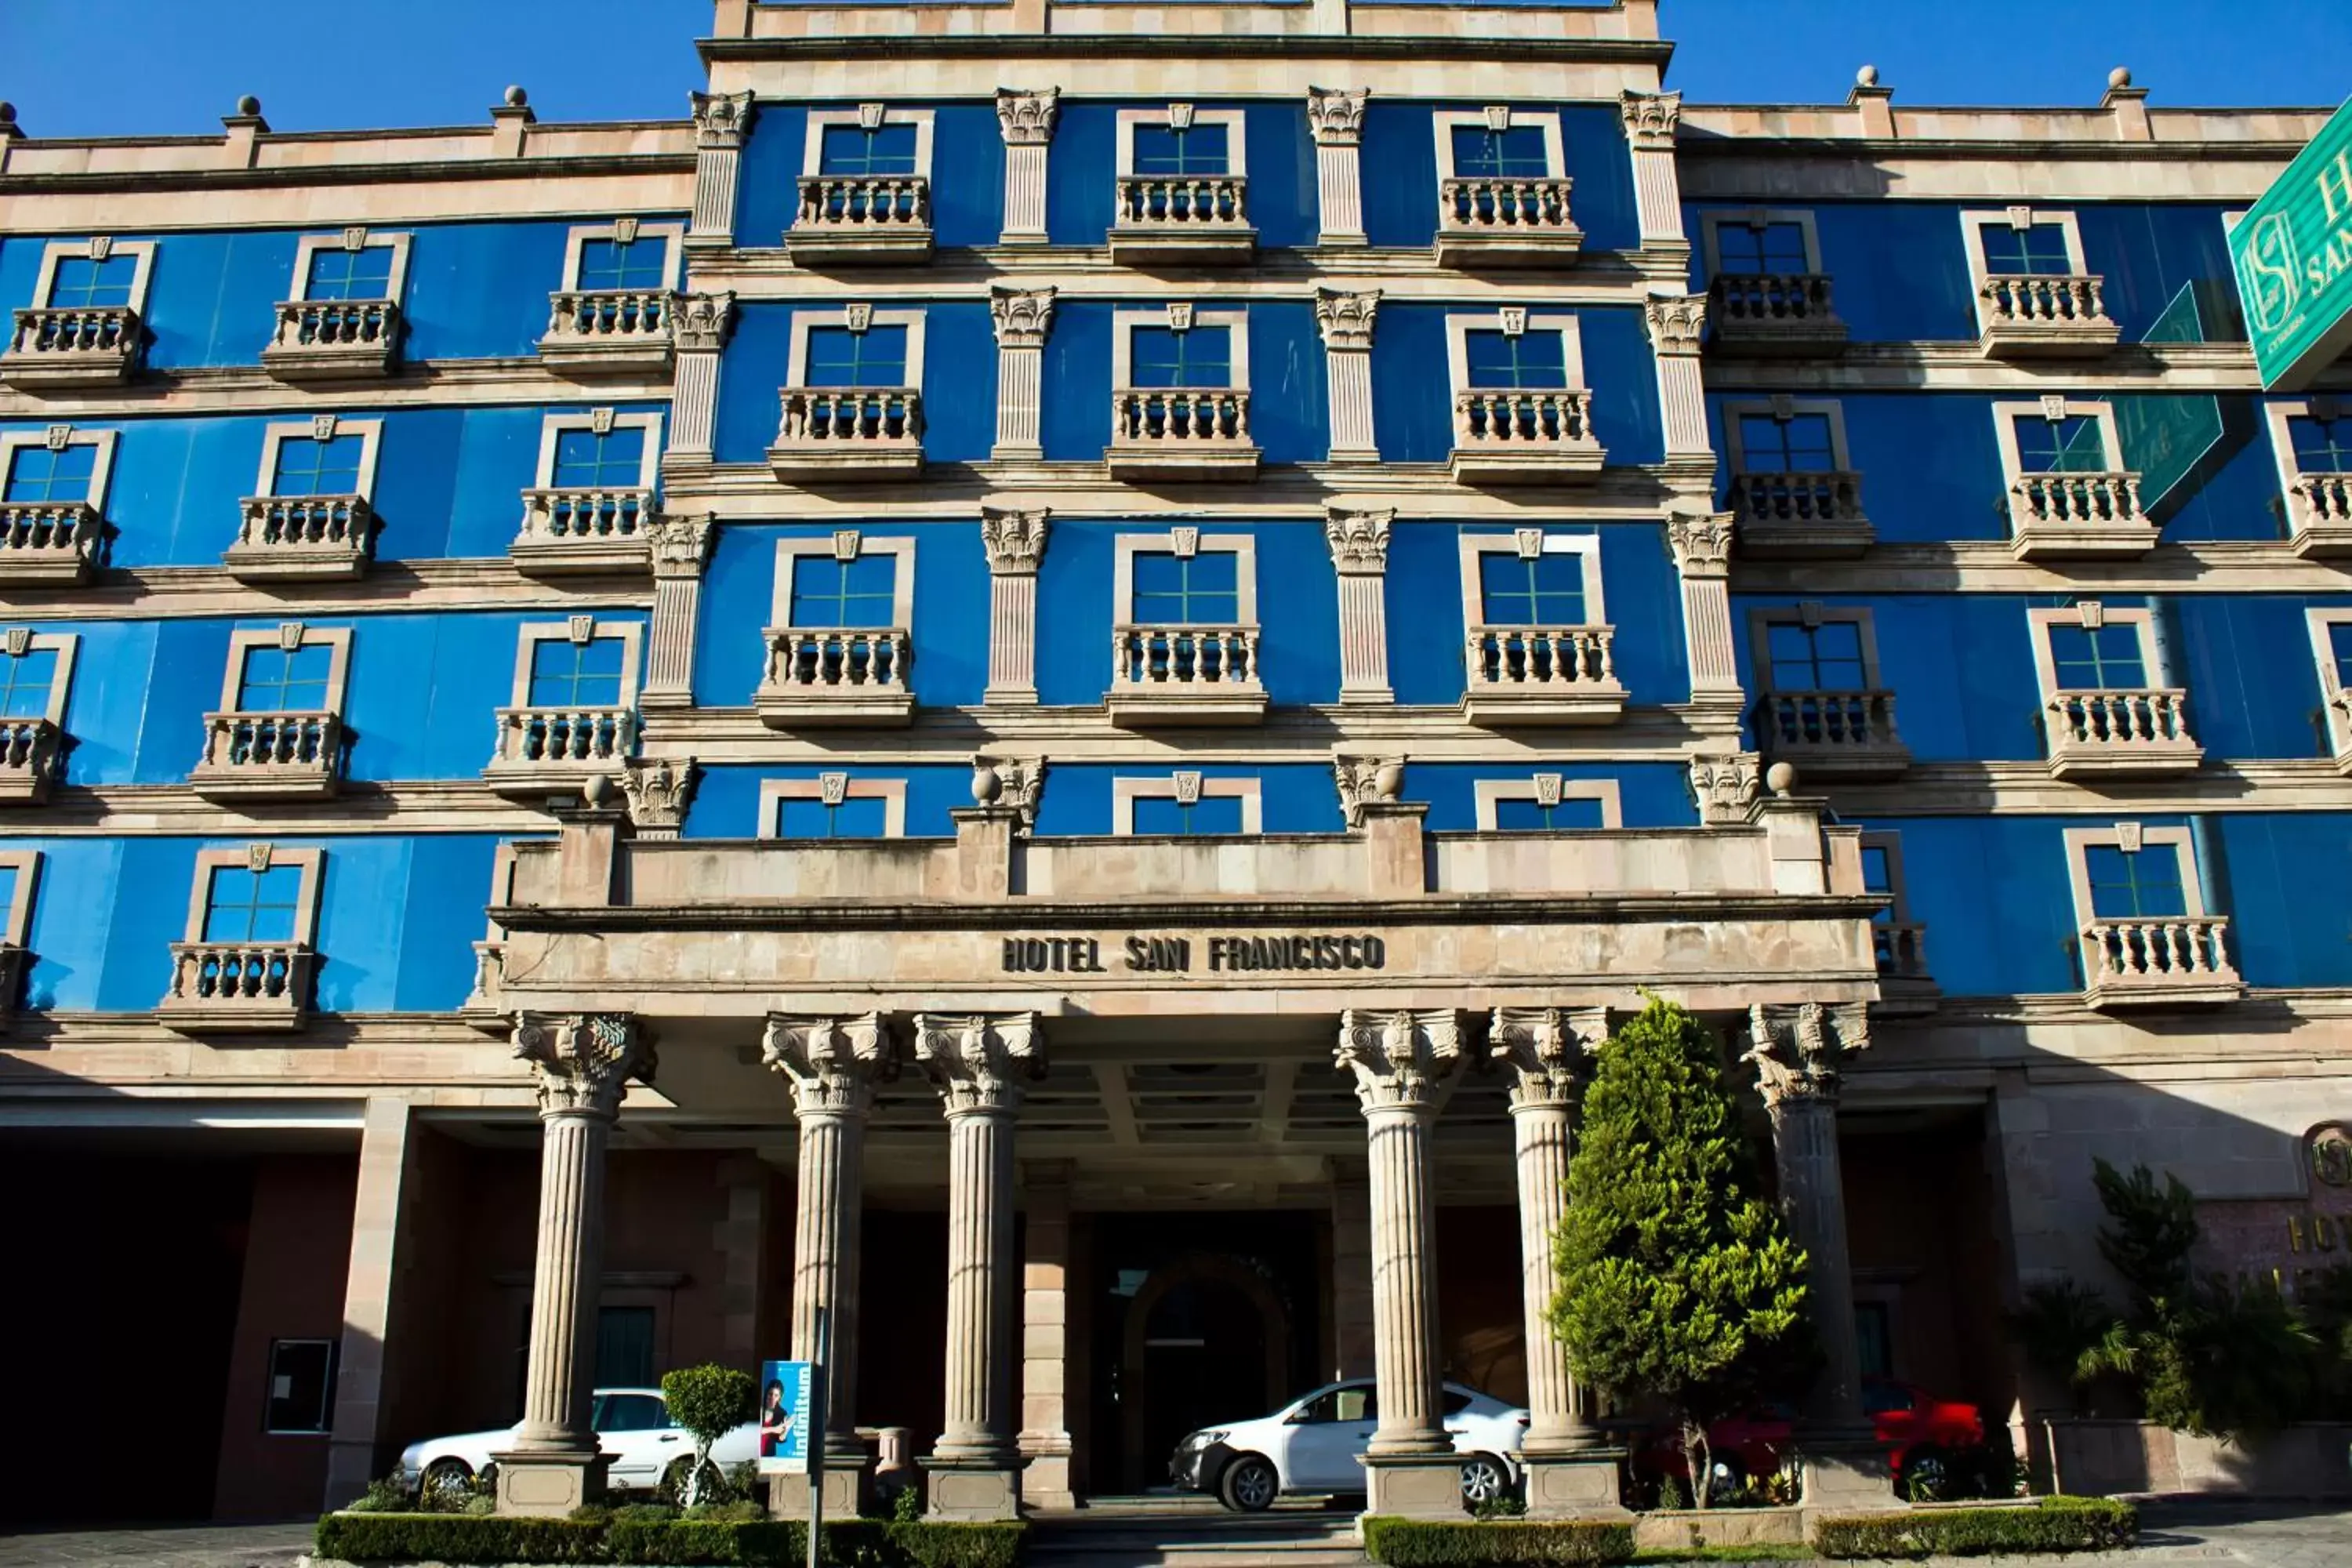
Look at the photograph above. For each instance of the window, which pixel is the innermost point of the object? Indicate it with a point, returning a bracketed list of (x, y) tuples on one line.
[(2097, 658), (1750, 249), (2145, 885), (243, 904), (1800, 444), (361, 274), (302, 1388), (1186, 805), (864, 150), (1823, 658), (1528, 359), (588, 459), (97, 274), (1213, 814), (625, 1359), (1878, 876), (1875, 1342), (2036, 248), (273, 679), (2073, 444), (52, 475), (1514, 153), (832, 593), (1195, 590), (2132, 872), (865, 817), (1356, 1401), (627, 254), (2340, 649), (1547, 803), (330, 468), (1182, 141), (28, 683), (1545, 590), (832, 805), (840, 357), (2321, 445), (1165, 357), (585, 674)]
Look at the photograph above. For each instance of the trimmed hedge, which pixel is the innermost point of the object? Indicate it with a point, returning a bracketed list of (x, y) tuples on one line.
[(2054, 1524), (681, 1542), (1419, 1543)]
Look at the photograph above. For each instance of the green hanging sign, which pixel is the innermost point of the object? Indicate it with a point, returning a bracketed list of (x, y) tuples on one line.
[(2293, 253)]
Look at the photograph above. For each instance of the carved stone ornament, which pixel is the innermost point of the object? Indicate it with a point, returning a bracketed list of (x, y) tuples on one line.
[(720, 119), (1677, 322), (1345, 320), (832, 1064), (980, 1061), (1027, 118), (702, 321), (1726, 787), (1650, 119), (1547, 1051), (583, 1061), (1015, 541), (658, 791), (1364, 780), (680, 543), (1335, 115), (1701, 541), (1015, 781), (1358, 540), (1400, 1059), (1021, 316), (1797, 1050)]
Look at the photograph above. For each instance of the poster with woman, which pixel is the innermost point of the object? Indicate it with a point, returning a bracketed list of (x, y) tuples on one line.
[(787, 1416)]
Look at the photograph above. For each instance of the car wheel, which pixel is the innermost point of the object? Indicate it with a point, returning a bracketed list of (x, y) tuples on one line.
[(1926, 1475), (1485, 1480), (1249, 1485), (446, 1484)]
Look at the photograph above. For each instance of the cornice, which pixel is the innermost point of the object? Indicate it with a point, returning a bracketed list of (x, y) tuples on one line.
[(1959, 365), (149, 182), (1697, 141), (436, 383), (474, 583), (2238, 566), (428, 806), (2026, 788), (888, 48)]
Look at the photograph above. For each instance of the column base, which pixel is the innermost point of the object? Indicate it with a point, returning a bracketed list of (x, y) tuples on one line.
[(1578, 1483), (543, 1483), (841, 1487), (1844, 1475), (973, 1491), (1412, 1485)]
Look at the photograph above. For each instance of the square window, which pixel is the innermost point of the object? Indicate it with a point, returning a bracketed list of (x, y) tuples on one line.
[(1531, 359), (1826, 658), (1878, 877), (1165, 814), (625, 1359), (586, 460), (2074, 445), (2321, 445), (2106, 658), (608, 264), (37, 474), (363, 274), (2038, 250), (1581, 814), (1800, 444), (857, 816), (1548, 590), (81, 284), (272, 681), (1199, 149), (1518, 154), (854, 150), (302, 1386), (307, 467), (565, 674), (827, 592), (1161, 356), (1170, 590), (245, 905), (1750, 249), (2145, 886), (2340, 649), (875, 357)]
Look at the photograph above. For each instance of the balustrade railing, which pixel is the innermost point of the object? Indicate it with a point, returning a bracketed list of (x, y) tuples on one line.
[(1485, 204), (2320, 503), (54, 344), (849, 416), (2076, 498), (1773, 301), (263, 976), (49, 542), (1795, 500), (1179, 415), (330, 325), (1826, 723), (31, 751), (303, 536), (1146, 658), (1183, 201), (2118, 719), (1521, 421), (1542, 656), (261, 744), (1901, 948), (864, 201), (589, 316), (2158, 953), (558, 517), (2043, 299), (856, 662), (542, 736)]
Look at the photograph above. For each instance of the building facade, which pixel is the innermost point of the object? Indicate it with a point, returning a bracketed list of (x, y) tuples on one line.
[(1016, 732)]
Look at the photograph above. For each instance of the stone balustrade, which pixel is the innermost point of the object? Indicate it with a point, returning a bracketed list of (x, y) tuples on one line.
[(238, 985), (1833, 735), (583, 530), (32, 754), (302, 538), (1542, 674), (1517, 435), (861, 220), (1181, 431), (604, 331), (543, 751), (820, 676), (90, 346), (48, 543), (2078, 515), (1193, 218), (1504, 221), (2023, 315), (269, 756), (1789, 516), (1902, 949), (2175, 960), (325, 340), (849, 433), (1775, 312), (1185, 675), (2320, 514), (2119, 732)]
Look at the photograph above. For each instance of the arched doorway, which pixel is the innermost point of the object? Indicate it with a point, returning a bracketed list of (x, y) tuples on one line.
[(1208, 1339)]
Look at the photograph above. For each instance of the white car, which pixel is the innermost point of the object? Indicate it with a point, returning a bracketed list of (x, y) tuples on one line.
[(631, 1424), (1312, 1444)]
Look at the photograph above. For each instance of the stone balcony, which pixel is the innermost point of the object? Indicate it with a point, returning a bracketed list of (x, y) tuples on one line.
[(608, 331), (1774, 313), (1542, 674), (2319, 514), (2120, 734), (1190, 220), (1494, 221), (861, 220), (306, 539), (2044, 316), (48, 543), (820, 677), (1799, 516), (1504, 436), (582, 530), (544, 751), (2063, 517), (58, 347), (334, 339), (843, 433), (269, 756), (1831, 734), (1181, 433), (32, 757), (1905, 984), (1184, 675), (234, 986), (2177, 960)]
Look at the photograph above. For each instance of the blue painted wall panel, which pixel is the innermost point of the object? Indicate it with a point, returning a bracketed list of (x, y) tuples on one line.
[(958, 405), (1082, 173), (1399, 171), (967, 174), (1650, 794), (1413, 401), (1074, 426), (1295, 797), (80, 879), (767, 188), (727, 799)]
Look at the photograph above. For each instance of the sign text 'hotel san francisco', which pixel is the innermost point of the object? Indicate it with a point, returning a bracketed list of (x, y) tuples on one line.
[(1178, 954)]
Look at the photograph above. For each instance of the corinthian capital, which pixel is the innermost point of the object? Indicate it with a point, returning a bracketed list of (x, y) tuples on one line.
[(1797, 1049), (1726, 787), (1359, 541), (832, 1064), (583, 1061), (1021, 316), (1015, 541), (1677, 322), (1702, 543), (720, 119), (1027, 118), (700, 322), (1366, 781), (1345, 320), (1016, 782), (1547, 1051), (658, 791), (1335, 115), (1650, 119), (980, 1061), (680, 545), (1401, 1059)]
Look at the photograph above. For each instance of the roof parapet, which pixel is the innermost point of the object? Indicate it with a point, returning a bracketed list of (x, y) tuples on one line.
[(1635, 20)]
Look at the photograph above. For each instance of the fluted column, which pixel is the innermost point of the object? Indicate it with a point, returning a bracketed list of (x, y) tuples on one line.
[(722, 120), (1677, 328), (700, 327), (1015, 542), (1022, 317), (1650, 119), (980, 1065), (1026, 121), (584, 1063), (1701, 542), (1547, 1052), (1360, 555), (680, 547), (1345, 323), (1401, 1062), (831, 1065), (1336, 116)]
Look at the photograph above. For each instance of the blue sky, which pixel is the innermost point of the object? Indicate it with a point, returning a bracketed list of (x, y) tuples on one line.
[(175, 66)]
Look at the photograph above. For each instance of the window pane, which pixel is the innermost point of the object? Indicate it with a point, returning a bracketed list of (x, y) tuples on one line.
[(241, 905), (1876, 877), (2040, 250), (2321, 445), (363, 274), (875, 357), (1169, 590), (272, 681), (854, 150), (2339, 643), (80, 283), (25, 683), (307, 468), (38, 474), (585, 460), (1515, 153), (831, 593), (576, 674), (1161, 356), (1164, 150), (625, 1359), (609, 264), (2106, 659), (1745, 249), (1545, 592), (861, 816), (2147, 885), (1532, 359), (301, 1386)]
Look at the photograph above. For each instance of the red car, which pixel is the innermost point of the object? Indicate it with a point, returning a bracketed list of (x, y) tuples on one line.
[(1922, 1435)]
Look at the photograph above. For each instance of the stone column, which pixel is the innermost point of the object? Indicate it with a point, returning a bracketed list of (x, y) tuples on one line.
[(1045, 1444), (979, 1066), (697, 331), (1798, 1051), (721, 121), (584, 1063), (1677, 326), (382, 1221), (1345, 320), (1650, 119), (1360, 554), (680, 547), (1015, 542), (831, 1065), (1336, 116), (1351, 1270), (1401, 1062), (1026, 119), (658, 792), (1701, 542), (1022, 317), (1571, 1469)]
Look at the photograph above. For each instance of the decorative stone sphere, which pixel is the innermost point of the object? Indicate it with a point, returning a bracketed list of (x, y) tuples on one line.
[(8, 114), (249, 104), (985, 785), (1387, 780), (597, 790), (1781, 777), (2119, 77), (1866, 77), (517, 98)]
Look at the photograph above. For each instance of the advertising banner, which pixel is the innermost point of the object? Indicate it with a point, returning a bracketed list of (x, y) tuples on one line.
[(790, 1422), (2293, 253)]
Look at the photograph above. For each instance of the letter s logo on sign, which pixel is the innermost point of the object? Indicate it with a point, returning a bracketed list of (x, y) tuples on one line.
[(2273, 281)]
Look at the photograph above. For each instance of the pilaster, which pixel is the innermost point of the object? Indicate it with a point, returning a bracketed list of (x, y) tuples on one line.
[(1027, 121), (1015, 542), (1701, 546), (383, 1219), (1045, 1446), (1726, 787), (721, 121), (1650, 119), (699, 326), (1677, 325), (1336, 116), (1360, 554), (1345, 321), (682, 545), (1022, 317), (1366, 784), (658, 791)]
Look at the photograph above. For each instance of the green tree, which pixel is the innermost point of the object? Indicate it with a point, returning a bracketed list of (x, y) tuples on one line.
[(1676, 1280), (708, 1401)]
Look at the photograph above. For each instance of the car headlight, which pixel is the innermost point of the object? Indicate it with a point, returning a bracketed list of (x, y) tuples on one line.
[(1204, 1437)]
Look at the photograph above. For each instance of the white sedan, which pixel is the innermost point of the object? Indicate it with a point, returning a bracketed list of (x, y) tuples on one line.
[(631, 1424), (1312, 1444)]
